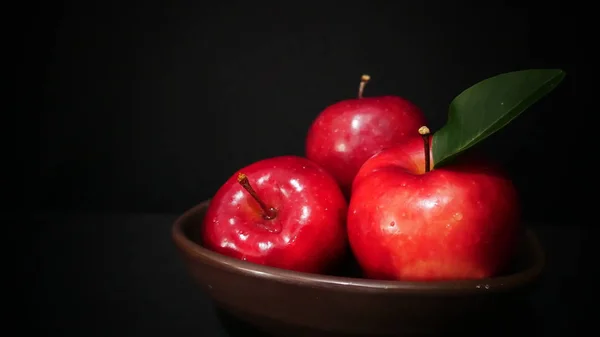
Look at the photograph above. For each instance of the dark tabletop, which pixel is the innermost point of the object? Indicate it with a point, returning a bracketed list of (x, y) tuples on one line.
[(120, 275)]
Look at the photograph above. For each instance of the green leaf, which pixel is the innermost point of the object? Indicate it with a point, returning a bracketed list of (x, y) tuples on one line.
[(488, 106)]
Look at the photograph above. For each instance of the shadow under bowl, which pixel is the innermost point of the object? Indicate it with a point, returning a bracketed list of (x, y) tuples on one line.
[(280, 302)]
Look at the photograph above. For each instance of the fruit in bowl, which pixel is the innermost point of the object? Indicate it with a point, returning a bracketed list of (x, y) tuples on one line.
[(435, 230), (284, 212), (407, 222), (348, 132), (440, 213)]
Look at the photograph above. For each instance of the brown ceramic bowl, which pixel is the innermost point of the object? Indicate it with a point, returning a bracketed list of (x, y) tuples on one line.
[(286, 303)]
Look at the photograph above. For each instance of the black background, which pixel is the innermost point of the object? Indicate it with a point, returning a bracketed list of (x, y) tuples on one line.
[(149, 106)]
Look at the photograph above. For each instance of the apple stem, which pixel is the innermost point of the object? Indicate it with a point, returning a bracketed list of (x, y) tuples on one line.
[(363, 82), (424, 132), (269, 213)]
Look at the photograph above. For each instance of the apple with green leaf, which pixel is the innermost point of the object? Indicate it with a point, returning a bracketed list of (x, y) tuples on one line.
[(428, 209), (348, 132)]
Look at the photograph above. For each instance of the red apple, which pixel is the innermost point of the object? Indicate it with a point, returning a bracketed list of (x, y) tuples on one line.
[(284, 212), (407, 223), (345, 134)]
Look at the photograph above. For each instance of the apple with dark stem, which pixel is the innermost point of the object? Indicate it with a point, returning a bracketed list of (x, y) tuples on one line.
[(345, 134), (409, 222), (285, 212)]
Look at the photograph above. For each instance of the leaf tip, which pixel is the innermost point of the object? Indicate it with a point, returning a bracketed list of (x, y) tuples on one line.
[(557, 72)]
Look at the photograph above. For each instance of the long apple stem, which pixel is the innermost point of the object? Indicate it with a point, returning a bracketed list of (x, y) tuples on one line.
[(424, 132), (269, 213), (363, 82)]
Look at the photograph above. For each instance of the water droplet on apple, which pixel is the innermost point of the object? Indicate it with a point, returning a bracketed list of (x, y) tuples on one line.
[(243, 235), (354, 212), (393, 224), (458, 216), (403, 184)]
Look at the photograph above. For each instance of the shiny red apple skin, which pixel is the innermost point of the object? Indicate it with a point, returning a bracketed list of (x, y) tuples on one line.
[(453, 223), (308, 233), (345, 134)]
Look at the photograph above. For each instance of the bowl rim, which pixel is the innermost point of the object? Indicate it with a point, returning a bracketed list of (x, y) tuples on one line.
[(244, 268)]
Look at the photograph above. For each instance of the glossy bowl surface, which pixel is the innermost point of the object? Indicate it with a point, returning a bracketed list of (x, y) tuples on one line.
[(287, 303)]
